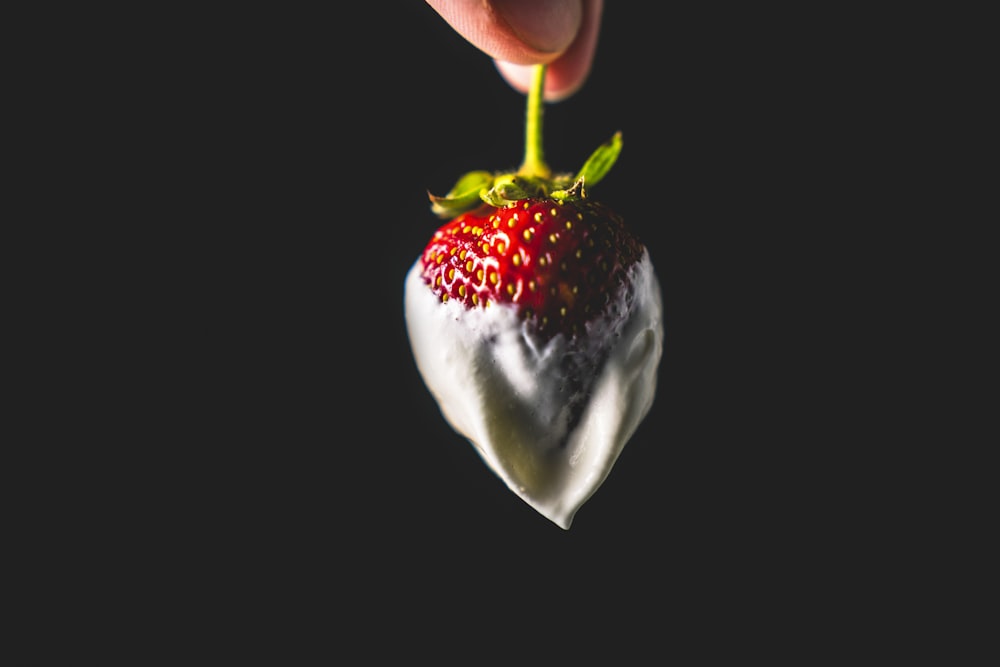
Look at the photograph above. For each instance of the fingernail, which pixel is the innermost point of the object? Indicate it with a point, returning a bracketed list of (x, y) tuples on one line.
[(549, 27)]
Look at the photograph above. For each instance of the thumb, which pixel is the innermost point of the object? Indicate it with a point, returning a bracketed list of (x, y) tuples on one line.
[(524, 32)]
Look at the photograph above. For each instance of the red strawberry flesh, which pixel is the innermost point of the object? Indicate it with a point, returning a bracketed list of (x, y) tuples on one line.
[(560, 264)]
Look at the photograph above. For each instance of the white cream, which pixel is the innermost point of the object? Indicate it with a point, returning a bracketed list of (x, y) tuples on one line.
[(498, 389)]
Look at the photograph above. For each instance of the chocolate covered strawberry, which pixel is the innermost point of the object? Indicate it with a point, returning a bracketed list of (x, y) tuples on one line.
[(535, 319)]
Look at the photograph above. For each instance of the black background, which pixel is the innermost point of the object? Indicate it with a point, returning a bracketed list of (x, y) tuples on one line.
[(267, 433), (306, 144), (340, 152)]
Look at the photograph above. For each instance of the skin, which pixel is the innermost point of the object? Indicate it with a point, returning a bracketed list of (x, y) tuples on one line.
[(519, 34)]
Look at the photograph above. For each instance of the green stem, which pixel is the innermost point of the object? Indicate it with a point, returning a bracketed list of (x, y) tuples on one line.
[(534, 155)]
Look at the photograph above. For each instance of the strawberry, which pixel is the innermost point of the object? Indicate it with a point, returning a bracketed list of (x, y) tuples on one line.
[(557, 262), (535, 319)]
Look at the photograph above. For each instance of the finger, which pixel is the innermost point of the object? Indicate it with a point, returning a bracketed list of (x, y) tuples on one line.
[(567, 73), (526, 32)]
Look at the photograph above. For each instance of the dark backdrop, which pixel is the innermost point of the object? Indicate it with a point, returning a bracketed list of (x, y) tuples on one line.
[(224, 437), (326, 159), (296, 441)]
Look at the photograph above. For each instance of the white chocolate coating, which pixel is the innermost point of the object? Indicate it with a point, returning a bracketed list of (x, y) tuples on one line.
[(507, 395)]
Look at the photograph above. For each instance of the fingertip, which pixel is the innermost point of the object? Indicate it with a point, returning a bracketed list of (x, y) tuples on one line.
[(547, 27), (518, 31), (567, 73), (557, 86)]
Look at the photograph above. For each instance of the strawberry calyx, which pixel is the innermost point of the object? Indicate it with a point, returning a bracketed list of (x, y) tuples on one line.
[(533, 179)]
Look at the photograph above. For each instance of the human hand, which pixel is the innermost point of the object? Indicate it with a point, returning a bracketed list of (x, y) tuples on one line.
[(519, 34)]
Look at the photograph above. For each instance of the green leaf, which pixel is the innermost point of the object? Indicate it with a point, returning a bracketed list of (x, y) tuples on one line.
[(600, 161), (511, 191), (508, 188), (574, 192), (464, 196)]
